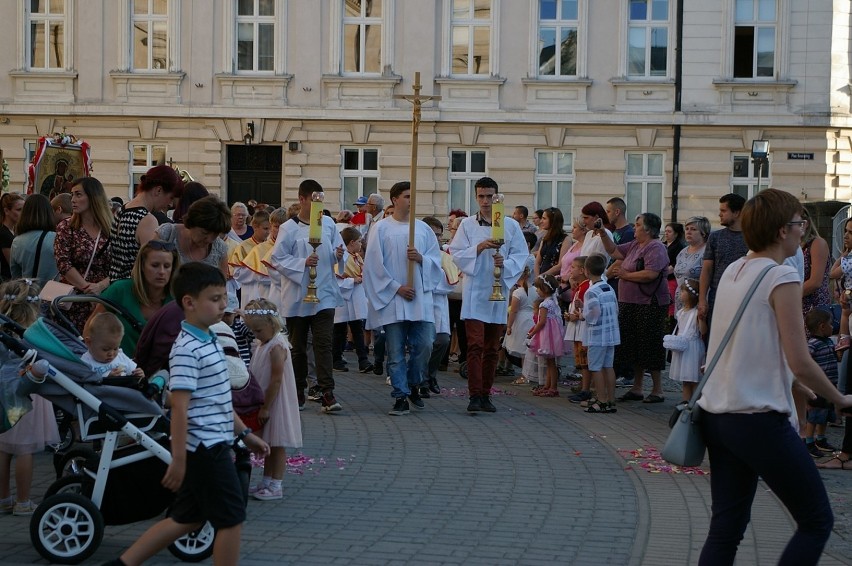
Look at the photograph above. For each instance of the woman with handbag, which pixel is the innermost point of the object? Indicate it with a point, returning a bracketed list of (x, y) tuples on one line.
[(748, 416), (32, 248), (81, 247), (643, 303)]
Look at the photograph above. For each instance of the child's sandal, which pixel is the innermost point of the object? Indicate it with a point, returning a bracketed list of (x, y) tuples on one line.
[(597, 407), (588, 402)]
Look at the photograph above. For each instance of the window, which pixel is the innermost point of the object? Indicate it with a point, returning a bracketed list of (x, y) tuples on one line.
[(554, 181), (255, 35), (362, 37), (644, 181), (470, 29), (143, 157), (744, 180), (466, 167), (150, 41), (754, 38), (360, 174), (647, 38), (47, 41), (557, 38)]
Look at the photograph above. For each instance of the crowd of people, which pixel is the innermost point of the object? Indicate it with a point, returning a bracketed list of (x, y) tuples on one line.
[(607, 299)]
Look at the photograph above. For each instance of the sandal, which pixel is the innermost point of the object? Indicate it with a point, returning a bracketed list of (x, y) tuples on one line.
[(610, 407), (831, 465), (550, 393), (597, 407), (589, 402), (630, 396), (520, 381), (652, 398)]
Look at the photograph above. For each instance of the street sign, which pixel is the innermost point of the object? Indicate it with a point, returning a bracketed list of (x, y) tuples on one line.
[(795, 155)]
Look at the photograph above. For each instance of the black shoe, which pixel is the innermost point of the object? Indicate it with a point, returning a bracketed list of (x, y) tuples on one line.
[(378, 369), (340, 366), (486, 404), (366, 368), (813, 450), (424, 392), (433, 387), (475, 405), (400, 407), (824, 445), (315, 393), (415, 399)]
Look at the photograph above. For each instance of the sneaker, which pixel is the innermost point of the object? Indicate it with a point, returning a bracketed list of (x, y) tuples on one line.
[(475, 405), (268, 494), (24, 508), (423, 391), (415, 399), (580, 397), (433, 387), (366, 368), (486, 404), (400, 407), (340, 366), (813, 450), (302, 406), (7, 505), (378, 369), (624, 382), (824, 445), (315, 393), (329, 403), (255, 488)]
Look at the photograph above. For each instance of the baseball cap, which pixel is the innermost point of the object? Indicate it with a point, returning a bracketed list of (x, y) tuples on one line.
[(362, 200)]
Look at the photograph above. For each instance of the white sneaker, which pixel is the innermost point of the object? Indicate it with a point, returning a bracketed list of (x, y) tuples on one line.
[(268, 494), (7, 505), (24, 508)]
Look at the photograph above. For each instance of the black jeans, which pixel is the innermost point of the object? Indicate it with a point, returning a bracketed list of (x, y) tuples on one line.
[(339, 341), (320, 326), (743, 447)]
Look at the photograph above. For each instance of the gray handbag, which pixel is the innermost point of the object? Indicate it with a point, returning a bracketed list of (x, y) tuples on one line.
[(685, 445)]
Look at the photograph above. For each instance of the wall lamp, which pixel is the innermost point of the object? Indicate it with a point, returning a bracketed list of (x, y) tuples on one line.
[(760, 156), (249, 135)]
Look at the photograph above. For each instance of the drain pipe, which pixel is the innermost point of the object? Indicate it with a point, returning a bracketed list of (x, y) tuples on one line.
[(677, 108)]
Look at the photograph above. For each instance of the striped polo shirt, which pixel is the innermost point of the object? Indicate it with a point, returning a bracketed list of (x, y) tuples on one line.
[(197, 364)]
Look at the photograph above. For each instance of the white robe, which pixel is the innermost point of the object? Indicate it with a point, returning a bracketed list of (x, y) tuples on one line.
[(442, 305), (479, 269), (386, 270), (354, 298), (288, 258)]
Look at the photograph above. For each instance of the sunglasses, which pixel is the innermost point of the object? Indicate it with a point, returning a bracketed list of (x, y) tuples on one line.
[(160, 245)]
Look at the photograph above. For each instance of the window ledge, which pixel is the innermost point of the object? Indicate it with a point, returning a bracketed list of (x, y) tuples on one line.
[(654, 94), (39, 85), (470, 93), (744, 94), (360, 91), (147, 87), (251, 89), (557, 93), (641, 81)]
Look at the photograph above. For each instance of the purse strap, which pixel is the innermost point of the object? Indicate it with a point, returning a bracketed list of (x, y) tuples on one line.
[(38, 254), (697, 393), (91, 259)]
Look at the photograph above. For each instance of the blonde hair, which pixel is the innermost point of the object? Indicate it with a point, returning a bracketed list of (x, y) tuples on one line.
[(139, 286), (103, 324), (263, 309), (19, 301)]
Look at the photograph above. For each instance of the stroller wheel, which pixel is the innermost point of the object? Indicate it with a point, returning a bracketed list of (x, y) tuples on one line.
[(73, 461), (84, 485), (195, 546), (66, 528)]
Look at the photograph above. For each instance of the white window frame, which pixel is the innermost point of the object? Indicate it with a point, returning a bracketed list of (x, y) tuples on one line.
[(360, 173), (493, 49), (648, 25), (149, 162), (757, 24), (229, 39), (362, 21), (782, 42), (581, 24), (750, 181), (469, 177), (173, 37), (25, 18), (645, 179), (554, 178)]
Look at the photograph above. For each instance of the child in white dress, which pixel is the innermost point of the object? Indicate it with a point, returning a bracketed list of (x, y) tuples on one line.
[(520, 321), (686, 364)]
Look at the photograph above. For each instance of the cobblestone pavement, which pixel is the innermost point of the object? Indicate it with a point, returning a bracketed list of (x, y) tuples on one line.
[(538, 482)]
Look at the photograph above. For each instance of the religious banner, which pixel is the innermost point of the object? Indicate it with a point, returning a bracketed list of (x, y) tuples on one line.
[(58, 160)]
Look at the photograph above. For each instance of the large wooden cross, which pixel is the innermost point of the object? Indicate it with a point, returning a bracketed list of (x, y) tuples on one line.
[(416, 99)]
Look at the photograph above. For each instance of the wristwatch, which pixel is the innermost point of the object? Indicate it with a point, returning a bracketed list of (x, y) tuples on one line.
[(246, 431)]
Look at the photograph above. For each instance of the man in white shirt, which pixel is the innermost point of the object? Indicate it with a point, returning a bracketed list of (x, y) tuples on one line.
[(404, 308), (292, 258), (485, 321)]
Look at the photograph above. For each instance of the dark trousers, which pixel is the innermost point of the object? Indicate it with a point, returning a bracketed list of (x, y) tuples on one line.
[(320, 326), (457, 328), (743, 447), (378, 346), (439, 350), (339, 341), (483, 345)]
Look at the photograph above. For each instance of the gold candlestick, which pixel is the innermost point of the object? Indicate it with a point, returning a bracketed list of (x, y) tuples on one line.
[(497, 235), (314, 240)]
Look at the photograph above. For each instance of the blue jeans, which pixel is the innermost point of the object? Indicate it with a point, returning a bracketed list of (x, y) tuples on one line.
[(418, 336), (743, 447)]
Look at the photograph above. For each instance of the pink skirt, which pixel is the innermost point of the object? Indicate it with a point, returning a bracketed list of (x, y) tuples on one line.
[(550, 340)]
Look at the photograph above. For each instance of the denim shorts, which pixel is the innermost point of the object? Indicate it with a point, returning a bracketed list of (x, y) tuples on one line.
[(601, 357)]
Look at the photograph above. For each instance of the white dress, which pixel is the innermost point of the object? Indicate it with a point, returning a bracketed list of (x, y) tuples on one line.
[(686, 365), (514, 342)]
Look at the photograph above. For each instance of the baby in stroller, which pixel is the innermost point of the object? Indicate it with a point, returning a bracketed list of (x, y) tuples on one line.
[(102, 335)]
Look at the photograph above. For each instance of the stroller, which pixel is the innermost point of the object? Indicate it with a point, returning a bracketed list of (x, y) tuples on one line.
[(118, 484)]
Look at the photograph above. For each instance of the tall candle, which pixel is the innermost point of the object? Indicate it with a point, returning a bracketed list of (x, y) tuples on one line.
[(315, 230), (498, 218)]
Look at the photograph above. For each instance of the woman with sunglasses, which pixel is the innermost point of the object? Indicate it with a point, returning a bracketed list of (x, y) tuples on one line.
[(147, 290)]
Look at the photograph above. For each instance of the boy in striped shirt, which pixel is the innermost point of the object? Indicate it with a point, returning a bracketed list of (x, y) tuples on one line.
[(203, 424)]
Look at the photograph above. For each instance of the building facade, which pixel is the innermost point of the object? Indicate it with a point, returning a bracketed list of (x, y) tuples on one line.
[(560, 101)]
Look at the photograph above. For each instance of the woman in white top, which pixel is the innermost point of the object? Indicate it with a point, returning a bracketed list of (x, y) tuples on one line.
[(593, 244), (749, 417)]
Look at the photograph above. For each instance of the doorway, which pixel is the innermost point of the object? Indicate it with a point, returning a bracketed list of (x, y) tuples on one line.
[(254, 172)]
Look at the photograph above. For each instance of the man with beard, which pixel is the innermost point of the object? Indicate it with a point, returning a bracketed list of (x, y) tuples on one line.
[(724, 247)]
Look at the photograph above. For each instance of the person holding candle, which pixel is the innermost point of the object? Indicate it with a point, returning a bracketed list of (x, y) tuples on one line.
[(293, 257), (403, 307), (477, 248)]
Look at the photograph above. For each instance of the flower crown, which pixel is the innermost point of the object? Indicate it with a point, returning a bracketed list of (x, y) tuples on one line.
[(690, 289), (33, 299), (546, 282), (260, 312)]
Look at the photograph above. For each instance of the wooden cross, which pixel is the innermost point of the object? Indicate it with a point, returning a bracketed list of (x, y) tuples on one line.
[(417, 100)]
